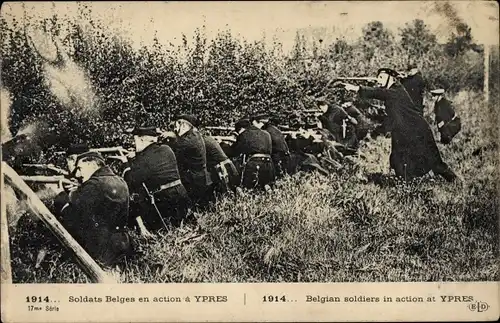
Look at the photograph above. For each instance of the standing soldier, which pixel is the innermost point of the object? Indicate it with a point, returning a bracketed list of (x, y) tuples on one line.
[(447, 121), (280, 153), (254, 146), (97, 212), (414, 152), (223, 172), (415, 85), (155, 184), (190, 151)]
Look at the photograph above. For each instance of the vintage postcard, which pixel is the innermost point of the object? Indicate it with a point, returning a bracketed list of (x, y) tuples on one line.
[(225, 161)]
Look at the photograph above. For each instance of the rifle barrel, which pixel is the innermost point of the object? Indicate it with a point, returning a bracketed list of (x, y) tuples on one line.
[(46, 179), (108, 149), (357, 78)]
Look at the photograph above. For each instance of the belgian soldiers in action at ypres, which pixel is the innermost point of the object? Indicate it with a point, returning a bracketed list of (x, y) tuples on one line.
[(254, 147), (414, 152), (158, 196)]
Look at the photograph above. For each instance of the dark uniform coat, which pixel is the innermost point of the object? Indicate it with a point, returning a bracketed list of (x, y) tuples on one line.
[(415, 86), (258, 171), (222, 170), (97, 215), (191, 157), (155, 166), (363, 123), (446, 120), (414, 151), (333, 120), (280, 153)]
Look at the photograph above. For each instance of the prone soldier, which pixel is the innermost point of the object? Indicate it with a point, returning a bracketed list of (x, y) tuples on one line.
[(155, 184)]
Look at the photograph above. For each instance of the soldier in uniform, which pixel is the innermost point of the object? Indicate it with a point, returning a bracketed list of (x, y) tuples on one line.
[(254, 146), (222, 170), (339, 123), (447, 121), (415, 85), (362, 122), (190, 151), (280, 153), (97, 212), (155, 184), (72, 154), (414, 152)]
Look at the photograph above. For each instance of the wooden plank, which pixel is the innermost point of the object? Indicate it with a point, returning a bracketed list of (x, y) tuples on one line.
[(6, 275), (87, 264)]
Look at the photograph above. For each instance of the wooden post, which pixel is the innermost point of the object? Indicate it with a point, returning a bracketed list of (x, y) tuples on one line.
[(486, 87), (5, 246), (88, 265)]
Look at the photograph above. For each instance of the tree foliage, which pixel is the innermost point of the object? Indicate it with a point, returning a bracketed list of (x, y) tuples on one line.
[(218, 79)]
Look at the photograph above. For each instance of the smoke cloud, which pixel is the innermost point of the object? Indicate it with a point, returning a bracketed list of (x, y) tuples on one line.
[(67, 81)]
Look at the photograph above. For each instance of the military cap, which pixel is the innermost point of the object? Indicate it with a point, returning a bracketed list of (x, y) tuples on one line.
[(437, 91), (191, 119), (321, 101), (77, 149), (146, 131), (310, 125), (275, 120), (242, 123), (91, 155), (389, 71), (260, 117)]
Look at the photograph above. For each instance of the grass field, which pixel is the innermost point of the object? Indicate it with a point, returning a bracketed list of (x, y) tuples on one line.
[(341, 228)]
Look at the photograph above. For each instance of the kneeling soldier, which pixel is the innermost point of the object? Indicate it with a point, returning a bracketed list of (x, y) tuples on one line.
[(254, 146), (447, 121), (97, 211), (222, 170), (280, 152), (154, 183), (190, 151)]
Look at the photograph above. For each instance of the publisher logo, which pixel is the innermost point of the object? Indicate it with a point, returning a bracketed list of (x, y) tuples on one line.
[(478, 307)]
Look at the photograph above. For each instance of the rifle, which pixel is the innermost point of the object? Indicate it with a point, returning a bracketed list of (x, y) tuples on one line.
[(220, 128), (59, 180), (220, 139), (51, 167), (121, 153), (368, 78)]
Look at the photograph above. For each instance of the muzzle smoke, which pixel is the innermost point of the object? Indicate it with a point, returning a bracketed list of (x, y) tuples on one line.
[(62, 76)]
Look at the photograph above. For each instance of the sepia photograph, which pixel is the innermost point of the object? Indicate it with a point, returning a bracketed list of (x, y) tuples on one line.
[(249, 142)]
